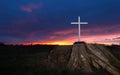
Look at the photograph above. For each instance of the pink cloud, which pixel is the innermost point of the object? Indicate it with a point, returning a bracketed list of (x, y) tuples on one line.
[(65, 32), (30, 7), (113, 39)]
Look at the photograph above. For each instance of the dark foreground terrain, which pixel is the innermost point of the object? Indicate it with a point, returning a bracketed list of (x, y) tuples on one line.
[(32, 60)]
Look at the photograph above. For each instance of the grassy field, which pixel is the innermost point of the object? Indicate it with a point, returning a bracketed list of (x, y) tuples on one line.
[(32, 60)]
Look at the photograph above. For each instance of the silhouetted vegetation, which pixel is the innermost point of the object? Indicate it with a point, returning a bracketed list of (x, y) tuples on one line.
[(115, 49), (1, 44), (32, 60)]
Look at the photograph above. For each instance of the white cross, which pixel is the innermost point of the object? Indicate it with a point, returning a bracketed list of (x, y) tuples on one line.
[(79, 23)]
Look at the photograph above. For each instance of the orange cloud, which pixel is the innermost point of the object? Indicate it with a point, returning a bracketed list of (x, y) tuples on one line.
[(100, 39)]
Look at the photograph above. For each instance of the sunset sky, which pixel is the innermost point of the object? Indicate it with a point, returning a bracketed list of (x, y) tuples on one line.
[(48, 21)]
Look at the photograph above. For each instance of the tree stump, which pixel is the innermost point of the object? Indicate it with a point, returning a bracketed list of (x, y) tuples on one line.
[(85, 57)]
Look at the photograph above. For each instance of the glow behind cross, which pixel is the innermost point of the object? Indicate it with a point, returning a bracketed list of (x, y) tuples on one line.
[(79, 23)]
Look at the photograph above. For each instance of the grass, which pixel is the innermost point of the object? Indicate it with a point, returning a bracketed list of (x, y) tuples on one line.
[(30, 60)]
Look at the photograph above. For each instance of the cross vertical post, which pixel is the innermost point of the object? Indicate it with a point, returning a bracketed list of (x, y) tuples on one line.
[(78, 28), (79, 23)]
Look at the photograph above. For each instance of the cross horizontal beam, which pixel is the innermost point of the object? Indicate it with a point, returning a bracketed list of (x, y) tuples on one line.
[(79, 23)]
